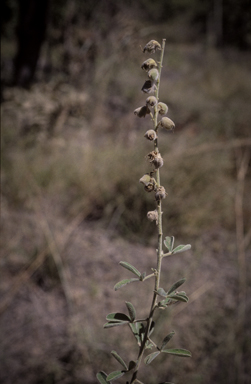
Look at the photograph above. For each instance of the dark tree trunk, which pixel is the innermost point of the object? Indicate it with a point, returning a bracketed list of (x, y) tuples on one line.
[(30, 36)]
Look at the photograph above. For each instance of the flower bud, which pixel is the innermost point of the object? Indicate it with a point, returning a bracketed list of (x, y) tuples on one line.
[(142, 111), (149, 64), (155, 159), (151, 46), (151, 101), (162, 108), (148, 87), (153, 216), (150, 135), (160, 193), (153, 74), (166, 123)]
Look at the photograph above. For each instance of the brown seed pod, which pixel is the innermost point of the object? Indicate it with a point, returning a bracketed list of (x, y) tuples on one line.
[(162, 108), (142, 111), (149, 64), (160, 193), (166, 123), (151, 46), (155, 159), (149, 188), (153, 74), (148, 87), (151, 101), (153, 216), (150, 135)]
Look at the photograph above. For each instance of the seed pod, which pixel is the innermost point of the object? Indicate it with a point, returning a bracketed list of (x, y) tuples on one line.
[(155, 159), (150, 135), (160, 193), (151, 101), (166, 123), (142, 111), (153, 216), (148, 87), (151, 46), (162, 108), (146, 179), (153, 74), (149, 182), (149, 188), (149, 64)]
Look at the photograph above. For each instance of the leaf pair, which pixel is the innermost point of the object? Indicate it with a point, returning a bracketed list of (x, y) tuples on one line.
[(169, 243), (172, 294), (131, 268), (117, 318), (103, 378)]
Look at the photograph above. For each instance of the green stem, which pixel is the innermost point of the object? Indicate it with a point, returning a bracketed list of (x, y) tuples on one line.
[(160, 235)]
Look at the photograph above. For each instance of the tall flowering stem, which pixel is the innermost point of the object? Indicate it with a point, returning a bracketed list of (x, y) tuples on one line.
[(142, 329)]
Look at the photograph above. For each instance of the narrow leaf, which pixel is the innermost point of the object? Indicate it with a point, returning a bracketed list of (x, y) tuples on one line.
[(114, 324), (151, 357), (178, 352), (117, 316), (176, 285), (102, 377), (167, 339), (131, 311), (181, 248), (119, 359), (169, 242), (161, 292), (179, 298), (130, 267), (124, 282), (115, 375)]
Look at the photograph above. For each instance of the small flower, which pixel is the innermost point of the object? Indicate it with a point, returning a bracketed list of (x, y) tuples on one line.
[(142, 111), (166, 123), (151, 46), (150, 135), (155, 159), (160, 193), (148, 87), (151, 101), (153, 216), (149, 182), (153, 74), (149, 64), (162, 108)]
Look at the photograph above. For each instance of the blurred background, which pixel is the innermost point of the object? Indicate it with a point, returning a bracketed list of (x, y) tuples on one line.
[(72, 206)]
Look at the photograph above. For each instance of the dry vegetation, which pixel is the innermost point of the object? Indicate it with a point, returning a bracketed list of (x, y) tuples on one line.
[(72, 208)]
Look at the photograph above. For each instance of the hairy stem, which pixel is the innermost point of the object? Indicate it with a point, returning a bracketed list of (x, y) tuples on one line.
[(160, 234)]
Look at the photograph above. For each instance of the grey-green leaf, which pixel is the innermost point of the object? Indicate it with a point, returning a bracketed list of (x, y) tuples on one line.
[(115, 375), (114, 324), (131, 311), (124, 282), (119, 359), (178, 352), (178, 297), (169, 242), (130, 267), (102, 377), (181, 248), (161, 292), (117, 316), (151, 357), (167, 339), (176, 285)]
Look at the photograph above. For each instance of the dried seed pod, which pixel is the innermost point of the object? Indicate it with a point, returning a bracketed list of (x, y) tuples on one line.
[(162, 108), (151, 101), (149, 64), (148, 87), (155, 159), (160, 193), (153, 216), (166, 123), (151, 46), (142, 111), (150, 135), (149, 182), (153, 74)]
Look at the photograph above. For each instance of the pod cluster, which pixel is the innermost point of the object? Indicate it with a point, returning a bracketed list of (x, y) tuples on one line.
[(154, 108)]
